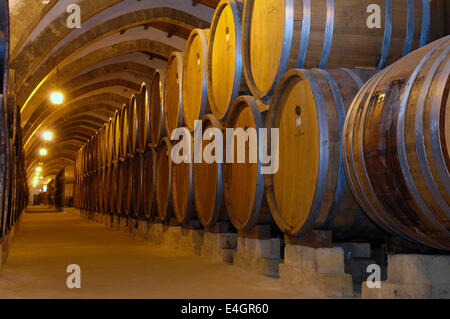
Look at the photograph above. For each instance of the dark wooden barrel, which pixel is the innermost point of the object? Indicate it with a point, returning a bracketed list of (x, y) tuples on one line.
[(279, 35), (110, 140), (116, 136), (309, 190), (104, 151), (148, 198), (144, 117), (182, 185), (163, 173), (114, 187), (195, 93), (101, 191), (4, 46), (98, 150), (137, 190), (396, 147), (156, 108), (225, 77), (207, 183), (133, 116), (123, 132), (124, 187), (173, 94), (243, 184)]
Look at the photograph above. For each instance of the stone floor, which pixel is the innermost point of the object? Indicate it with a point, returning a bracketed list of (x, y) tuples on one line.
[(117, 265)]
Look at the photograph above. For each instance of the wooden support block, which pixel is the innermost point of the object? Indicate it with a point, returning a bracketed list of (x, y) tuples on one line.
[(316, 239), (257, 232), (171, 222), (220, 228)]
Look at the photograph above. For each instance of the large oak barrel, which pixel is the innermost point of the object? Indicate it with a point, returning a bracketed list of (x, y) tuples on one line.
[(104, 142), (123, 133), (144, 118), (148, 198), (133, 117), (396, 147), (4, 50), (207, 182), (308, 190), (110, 142), (114, 187), (101, 191), (173, 94), (243, 183), (225, 77), (156, 108), (124, 187), (163, 173), (195, 93), (137, 190), (116, 136), (279, 35), (182, 188)]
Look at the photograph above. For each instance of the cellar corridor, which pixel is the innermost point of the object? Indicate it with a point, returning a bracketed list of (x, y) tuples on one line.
[(116, 265)]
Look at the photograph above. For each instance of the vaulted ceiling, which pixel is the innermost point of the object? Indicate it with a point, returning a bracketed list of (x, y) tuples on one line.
[(98, 66)]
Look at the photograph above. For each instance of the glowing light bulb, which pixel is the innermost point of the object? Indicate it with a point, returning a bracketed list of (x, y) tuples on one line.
[(38, 169), (57, 98), (47, 136), (43, 152)]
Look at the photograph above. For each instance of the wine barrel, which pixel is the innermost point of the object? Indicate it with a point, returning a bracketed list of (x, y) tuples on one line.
[(104, 147), (225, 77), (144, 117), (110, 140), (156, 108), (4, 47), (116, 136), (308, 191), (101, 191), (163, 173), (115, 202), (98, 150), (195, 94), (182, 188), (279, 35), (124, 187), (243, 184), (133, 115), (207, 183), (123, 133), (396, 147), (148, 197), (137, 190), (173, 94)]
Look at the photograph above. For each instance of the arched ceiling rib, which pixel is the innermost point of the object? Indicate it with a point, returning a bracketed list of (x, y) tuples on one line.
[(99, 66)]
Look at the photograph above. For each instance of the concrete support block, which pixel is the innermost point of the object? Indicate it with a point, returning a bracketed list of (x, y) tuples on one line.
[(123, 224), (170, 236), (191, 241), (115, 222), (258, 255), (155, 233), (319, 269), (107, 220), (414, 276), (142, 230), (219, 246), (326, 284), (132, 225)]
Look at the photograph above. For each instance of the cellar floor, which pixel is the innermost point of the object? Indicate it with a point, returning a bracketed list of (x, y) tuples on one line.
[(116, 265)]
